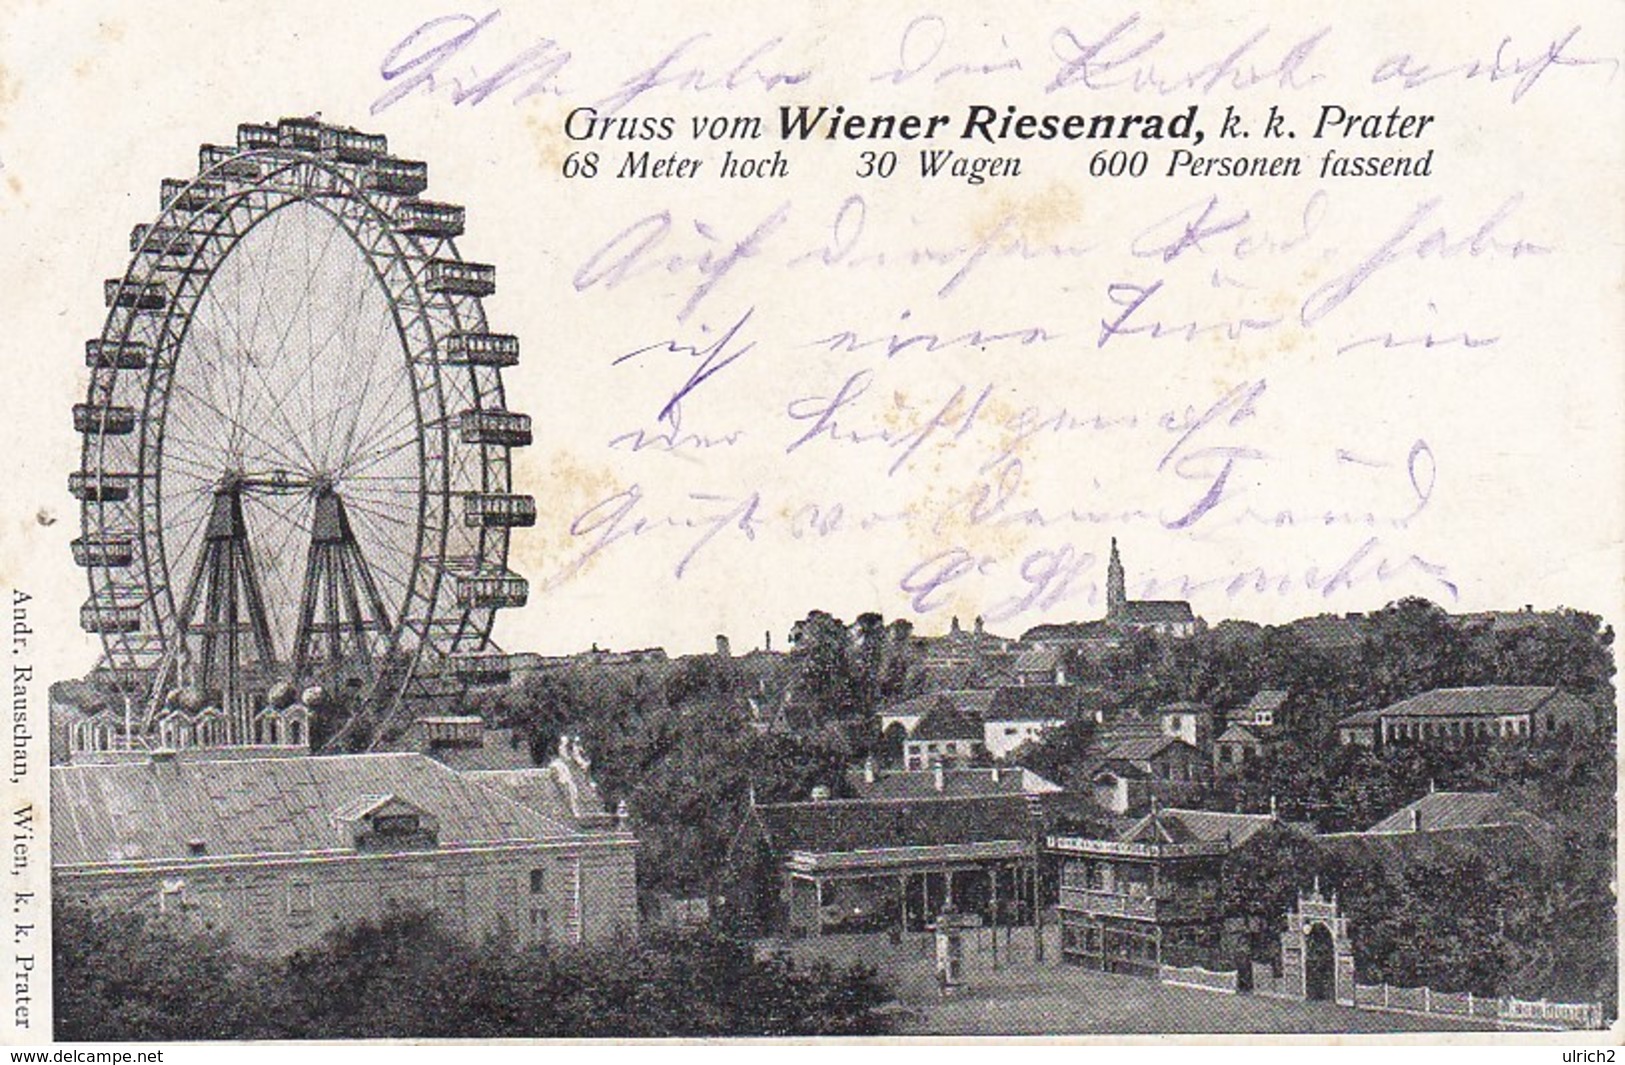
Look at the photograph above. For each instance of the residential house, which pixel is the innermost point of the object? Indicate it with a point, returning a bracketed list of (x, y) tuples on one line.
[(278, 851), (946, 734), (1336, 636), (966, 658), (1234, 748), (1470, 715), (1266, 710), (1093, 638), (1132, 772), (1118, 786), (1008, 716), (1445, 811), (1041, 666), (1191, 722), (1447, 829)]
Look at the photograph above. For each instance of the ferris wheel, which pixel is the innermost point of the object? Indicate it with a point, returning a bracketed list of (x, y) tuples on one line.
[(296, 460)]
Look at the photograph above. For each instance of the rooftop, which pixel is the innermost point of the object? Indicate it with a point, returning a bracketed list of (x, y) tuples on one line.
[(840, 825), (1267, 699), (956, 783), (140, 811), (1154, 612), (1443, 810), (946, 721), (1487, 701)]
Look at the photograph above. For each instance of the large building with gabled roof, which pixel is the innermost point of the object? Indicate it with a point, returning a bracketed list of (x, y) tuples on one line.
[(277, 851), (1479, 714)]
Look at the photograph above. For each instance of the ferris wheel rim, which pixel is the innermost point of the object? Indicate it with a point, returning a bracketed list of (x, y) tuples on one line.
[(471, 625)]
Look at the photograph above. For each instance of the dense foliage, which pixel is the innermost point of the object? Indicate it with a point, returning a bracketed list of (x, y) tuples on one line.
[(124, 977)]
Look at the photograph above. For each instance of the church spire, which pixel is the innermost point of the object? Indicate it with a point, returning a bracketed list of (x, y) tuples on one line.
[(1116, 590)]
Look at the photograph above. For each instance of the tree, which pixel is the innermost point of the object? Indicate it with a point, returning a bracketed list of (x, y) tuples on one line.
[(1260, 880), (125, 977), (822, 648)]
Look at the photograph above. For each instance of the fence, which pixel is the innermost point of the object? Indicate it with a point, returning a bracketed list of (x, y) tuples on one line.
[(1198, 977), (1512, 1011)]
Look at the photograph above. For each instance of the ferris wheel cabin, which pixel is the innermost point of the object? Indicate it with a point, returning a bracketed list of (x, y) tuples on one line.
[(482, 349), (103, 419), (497, 510), (423, 218), (111, 552), (116, 355), (453, 277), (136, 295)]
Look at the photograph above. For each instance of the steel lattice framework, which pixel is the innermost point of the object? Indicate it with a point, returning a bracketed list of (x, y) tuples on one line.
[(298, 359)]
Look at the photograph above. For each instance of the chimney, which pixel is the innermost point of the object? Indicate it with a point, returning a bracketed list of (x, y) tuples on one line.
[(723, 648), (937, 776), (623, 815), (953, 626), (820, 793), (767, 640), (869, 770), (995, 774), (979, 624), (1274, 813), (1416, 819)]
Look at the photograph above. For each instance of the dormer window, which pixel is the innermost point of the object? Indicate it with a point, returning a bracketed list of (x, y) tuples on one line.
[(384, 822)]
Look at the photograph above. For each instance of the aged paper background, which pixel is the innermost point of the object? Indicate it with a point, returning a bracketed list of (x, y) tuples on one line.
[(1282, 396)]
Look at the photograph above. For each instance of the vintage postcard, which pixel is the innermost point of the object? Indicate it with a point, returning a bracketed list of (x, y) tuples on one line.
[(707, 521)]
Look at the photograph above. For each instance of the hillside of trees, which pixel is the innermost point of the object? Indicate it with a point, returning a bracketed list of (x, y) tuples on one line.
[(682, 744)]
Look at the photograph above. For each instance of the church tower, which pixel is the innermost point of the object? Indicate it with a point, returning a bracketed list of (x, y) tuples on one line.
[(1116, 591)]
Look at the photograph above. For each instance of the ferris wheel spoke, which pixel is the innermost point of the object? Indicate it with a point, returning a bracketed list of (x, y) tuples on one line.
[(357, 411), (279, 555), (284, 423), (195, 521), (237, 426), (377, 512), (302, 303), (378, 551), (360, 463), (238, 421), (402, 419), (383, 451)]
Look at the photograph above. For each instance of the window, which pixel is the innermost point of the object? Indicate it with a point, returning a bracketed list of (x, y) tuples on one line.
[(538, 881), (395, 824), (301, 898)]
